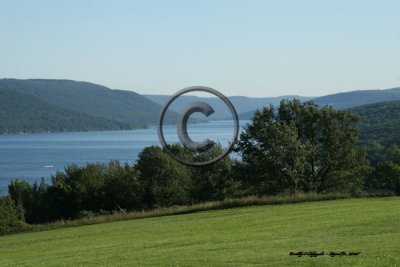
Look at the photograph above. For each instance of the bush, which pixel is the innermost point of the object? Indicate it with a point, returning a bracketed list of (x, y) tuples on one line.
[(11, 215)]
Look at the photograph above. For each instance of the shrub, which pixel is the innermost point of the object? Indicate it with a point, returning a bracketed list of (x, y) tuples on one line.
[(11, 215)]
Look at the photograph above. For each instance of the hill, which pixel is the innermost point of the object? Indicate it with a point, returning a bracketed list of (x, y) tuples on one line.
[(380, 122), (247, 115), (358, 98), (342, 100), (116, 109), (21, 112), (241, 103), (248, 236), (380, 129)]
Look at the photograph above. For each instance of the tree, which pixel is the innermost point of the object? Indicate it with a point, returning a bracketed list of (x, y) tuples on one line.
[(122, 187), (31, 198), (300, 146), (274, 158), (165, 182), (288, 156), (386, 175), (86, 185), (215, 181)]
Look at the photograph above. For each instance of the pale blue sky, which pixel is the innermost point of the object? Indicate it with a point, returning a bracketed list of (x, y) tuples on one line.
[(252, 48)]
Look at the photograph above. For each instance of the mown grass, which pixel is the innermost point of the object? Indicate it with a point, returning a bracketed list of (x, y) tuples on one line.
[(176, 210), (244, 236)]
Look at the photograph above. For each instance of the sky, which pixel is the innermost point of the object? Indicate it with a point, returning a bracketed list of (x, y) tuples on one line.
[(251, 48)]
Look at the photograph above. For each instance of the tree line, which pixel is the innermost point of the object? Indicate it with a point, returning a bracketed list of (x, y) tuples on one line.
[(295, 147)]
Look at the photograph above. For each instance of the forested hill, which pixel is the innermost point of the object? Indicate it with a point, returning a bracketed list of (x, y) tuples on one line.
[(358, 98), (380, 121), (344, 100), (38, 105), (380, 128), (20, 112)]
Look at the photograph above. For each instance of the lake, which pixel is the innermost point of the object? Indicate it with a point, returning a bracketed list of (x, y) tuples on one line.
[(32, 156)]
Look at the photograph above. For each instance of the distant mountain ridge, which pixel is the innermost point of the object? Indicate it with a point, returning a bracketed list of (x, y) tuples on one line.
[(358, 98), (241, 103), (88, 106), (346, 100)]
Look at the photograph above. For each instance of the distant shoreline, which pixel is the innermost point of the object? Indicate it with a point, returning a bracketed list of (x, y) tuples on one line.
[(104, 130)]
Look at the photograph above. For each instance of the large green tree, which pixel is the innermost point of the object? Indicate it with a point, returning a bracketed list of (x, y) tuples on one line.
[(300, 146)]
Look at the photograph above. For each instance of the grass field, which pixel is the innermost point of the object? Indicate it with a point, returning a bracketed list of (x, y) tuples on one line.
[(246, 236)]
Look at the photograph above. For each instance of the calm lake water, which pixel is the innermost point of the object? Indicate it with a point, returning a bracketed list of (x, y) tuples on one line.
[(32, 156)]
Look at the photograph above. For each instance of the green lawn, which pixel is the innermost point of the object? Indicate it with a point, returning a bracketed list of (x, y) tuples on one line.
[(249, 236)]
